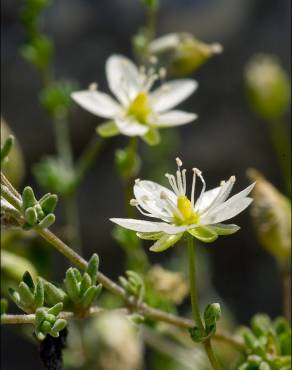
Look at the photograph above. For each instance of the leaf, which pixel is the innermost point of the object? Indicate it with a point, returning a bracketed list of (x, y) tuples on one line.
[(39, 295), (204, 234), (47, 221), (28, 280), (31, 216), (28, 198), (165, 242), (107, 129), (26, 295), (49, 203), (55, 310), (86, 282), (71, 284), (53, 295), (92, 267)]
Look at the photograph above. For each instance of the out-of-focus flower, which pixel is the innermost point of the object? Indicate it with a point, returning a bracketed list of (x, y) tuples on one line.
[(268, 86), (202, 219), (169, 284), (182, 52), (114, 342), (271, 213), (137, 111), (14, 167)]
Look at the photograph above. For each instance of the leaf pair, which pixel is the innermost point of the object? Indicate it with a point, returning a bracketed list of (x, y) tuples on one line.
[(211, 315), (133, 284)]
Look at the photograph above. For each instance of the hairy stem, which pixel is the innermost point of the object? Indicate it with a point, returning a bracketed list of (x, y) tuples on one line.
[(194, 299)]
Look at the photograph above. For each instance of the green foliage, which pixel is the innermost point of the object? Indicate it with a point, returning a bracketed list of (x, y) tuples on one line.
[(38, 52), (127, 162), (30, 14), (6, 147), (38, 213), (56, 98), (151, 4), (107, 129), (29, 296), (47, 322), (268, 344), (82, 289), (133, 284), (52, 174), (212, 314)]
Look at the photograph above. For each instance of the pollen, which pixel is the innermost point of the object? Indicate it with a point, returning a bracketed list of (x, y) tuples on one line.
[(140, 108)]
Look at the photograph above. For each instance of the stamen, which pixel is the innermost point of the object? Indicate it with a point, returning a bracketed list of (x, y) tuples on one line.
[(193, 188), (199, 173), (184, 178), (162, 73), (133, 202), (178, 161), (153, 59), (172, 182), (137, 181), (173, 208)]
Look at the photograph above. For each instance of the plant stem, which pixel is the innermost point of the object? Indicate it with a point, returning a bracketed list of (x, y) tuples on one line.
[(194, 300), (285, 273)]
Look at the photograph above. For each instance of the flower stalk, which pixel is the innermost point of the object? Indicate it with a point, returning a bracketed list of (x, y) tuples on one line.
[(194, 299)]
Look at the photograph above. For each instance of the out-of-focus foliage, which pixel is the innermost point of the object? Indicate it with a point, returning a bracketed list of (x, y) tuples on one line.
[(13, 166), (271, 213), (268, 344)]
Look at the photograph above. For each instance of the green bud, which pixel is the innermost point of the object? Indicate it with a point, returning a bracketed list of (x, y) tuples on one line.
[(271, 214), (28, 198), (58, 326), (40, 336), (6, 147), (38, 52), (45, 327), (49, 203), (197, 335), (261, 324), (71, 284), (86, 282), (4, 306), (182, 53), (53, 295), (268, 86), (39, 295), (40, 316), (127, 162), (55, 310), (31, 216), (107, 129), (211, 315), (92, 267), (15, 296), (47, 221), (26, 296)]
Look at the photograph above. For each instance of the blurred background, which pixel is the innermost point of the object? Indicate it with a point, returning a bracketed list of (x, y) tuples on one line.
[(228, 138)]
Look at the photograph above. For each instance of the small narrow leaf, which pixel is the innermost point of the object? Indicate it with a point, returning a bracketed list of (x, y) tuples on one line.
[(92, 267), (28, 280), (26, 295), (89, 296), (59, 325), (28, 197), (55, 310), (47, 221), (30, 216), (53, 295), (71, 284), (39, 295), (49, 204), (86, 282)]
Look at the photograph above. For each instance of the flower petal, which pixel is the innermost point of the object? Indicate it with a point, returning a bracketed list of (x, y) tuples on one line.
[(225, 211), (131, 128), (123, 78), (148, 195), (165, 242), (174, 118), (148, 226), (97, 103), (171, 94)]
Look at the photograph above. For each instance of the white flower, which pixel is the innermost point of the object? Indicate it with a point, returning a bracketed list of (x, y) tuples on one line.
[(201, 218), (136, 111)]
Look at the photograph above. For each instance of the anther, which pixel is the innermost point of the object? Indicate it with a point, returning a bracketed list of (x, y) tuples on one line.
[(178, 162), (133, 202), (93, 86), (137, 181), (232, 178)]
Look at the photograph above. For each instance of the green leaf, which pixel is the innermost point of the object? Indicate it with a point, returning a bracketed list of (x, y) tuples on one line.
[(204, 234), (211, 315), (222, 229), (152, 137), (28, 198), (26, 295), (165, 242), (39, 295), (53, 295), (92, 267), (5, 149), (4, 306), (261, 324), (89, 296), (31, 216), (47, 221), (59, 325), (127, 162), (49, 203), (107, 129), (150, 236), (28, 280), (55, 310), (86, 283), (71, 284), (197, 335)]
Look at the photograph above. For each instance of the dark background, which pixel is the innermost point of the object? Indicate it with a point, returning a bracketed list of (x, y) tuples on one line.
[(226, 139)]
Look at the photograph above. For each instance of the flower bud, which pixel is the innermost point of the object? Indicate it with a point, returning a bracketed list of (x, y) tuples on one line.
[(271, 213), (182, 52), (268, 86)]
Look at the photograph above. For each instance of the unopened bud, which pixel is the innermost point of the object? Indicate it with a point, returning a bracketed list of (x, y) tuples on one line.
[(271, 213)]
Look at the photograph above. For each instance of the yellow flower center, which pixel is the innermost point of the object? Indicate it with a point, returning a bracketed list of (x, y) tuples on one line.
[(186, 209), (140, 108)]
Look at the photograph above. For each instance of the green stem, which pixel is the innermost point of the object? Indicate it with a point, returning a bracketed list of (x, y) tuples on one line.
[(132, 146), (194, 299)]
